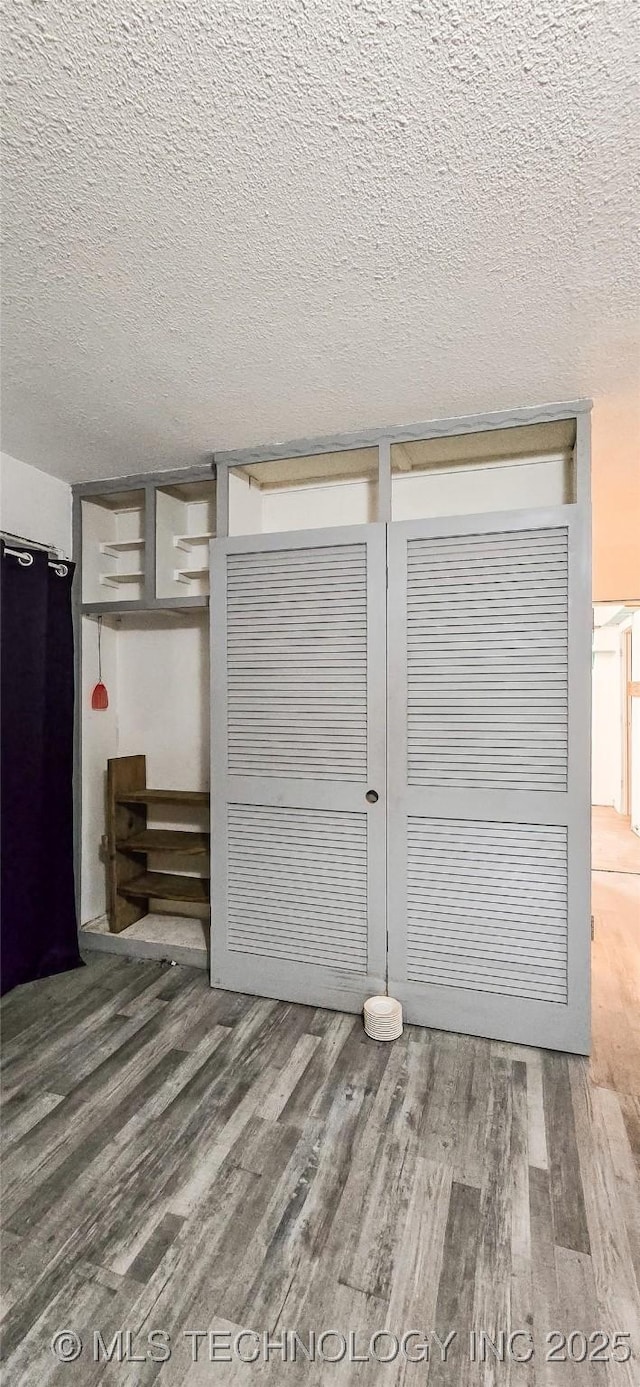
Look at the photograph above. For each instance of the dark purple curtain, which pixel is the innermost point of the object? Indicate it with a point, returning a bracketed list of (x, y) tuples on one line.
[(38, 916)]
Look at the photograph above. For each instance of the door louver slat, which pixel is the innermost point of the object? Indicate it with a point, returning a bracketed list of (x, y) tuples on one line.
[(470, 928), (278, 907), (500, 720), (297, 663)]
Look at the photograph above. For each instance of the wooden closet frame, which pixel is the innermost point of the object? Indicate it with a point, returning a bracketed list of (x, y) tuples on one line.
[(382, 439)]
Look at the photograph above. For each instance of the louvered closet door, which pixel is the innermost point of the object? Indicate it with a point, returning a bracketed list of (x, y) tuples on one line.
[(298, 740), (489, 663)]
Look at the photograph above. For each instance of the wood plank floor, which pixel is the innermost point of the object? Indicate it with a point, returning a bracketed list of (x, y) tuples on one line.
[(615, 847), (183, 1159), (615, 902), (615, 1057)]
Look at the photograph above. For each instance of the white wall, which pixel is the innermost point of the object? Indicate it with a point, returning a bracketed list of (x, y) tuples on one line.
[(163, 697), (99, 742), (474, 490), (34, 504), (606, 713), (156, 669), (315, 507), (416, 495), (255, 511), (245, 506), (615, 449), (635, 726)]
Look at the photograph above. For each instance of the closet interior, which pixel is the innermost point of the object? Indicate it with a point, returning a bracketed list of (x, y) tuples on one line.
[(143, 547), (113, 528), (142, 621)]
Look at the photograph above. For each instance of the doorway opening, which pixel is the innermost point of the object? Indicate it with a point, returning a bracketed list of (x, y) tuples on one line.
[(615, 796)]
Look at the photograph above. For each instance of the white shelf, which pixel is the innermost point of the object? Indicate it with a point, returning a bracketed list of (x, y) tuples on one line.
[(186, 541), (121, 546), (190, 575), (113, 541), (185, 523), (113, 580)]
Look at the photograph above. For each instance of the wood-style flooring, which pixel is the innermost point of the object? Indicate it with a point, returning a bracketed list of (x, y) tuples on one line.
[(615, 1002), (615, 847), (183, 1159)]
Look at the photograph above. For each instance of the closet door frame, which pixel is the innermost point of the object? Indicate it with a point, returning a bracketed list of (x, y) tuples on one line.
[(316, 985), (577, 518), (566, 1026)]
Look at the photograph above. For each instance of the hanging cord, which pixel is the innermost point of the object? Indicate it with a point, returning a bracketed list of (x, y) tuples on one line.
[(99, 697)]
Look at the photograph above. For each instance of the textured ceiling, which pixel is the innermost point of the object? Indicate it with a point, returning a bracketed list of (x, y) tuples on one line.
[(228, 223)]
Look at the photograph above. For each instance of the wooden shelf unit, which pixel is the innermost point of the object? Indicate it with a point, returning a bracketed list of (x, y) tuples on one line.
[(167, 886), (148, 796), (130, 884), (184, 842)]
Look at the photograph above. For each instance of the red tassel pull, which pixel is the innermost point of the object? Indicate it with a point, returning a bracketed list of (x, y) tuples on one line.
[(100, 697)]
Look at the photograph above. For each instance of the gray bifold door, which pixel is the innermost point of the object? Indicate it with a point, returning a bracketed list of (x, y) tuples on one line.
[(489, 675), (298, 864)]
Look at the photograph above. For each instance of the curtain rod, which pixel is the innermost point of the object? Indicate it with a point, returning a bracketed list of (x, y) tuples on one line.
[(33, 544), (57, 560)]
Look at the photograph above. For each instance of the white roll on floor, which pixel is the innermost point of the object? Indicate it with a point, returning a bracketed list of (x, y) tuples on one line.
[(383, 1018)]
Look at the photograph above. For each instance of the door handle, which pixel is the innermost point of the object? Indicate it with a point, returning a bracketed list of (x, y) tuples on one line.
[(372, 796)]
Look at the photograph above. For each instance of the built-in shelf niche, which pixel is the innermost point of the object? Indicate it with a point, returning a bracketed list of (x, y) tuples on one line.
[(185, 524), (113, 547), (498, 469), (301, 493)]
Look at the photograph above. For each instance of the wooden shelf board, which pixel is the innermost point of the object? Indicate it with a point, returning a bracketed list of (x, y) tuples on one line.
[(166, 886), (163, 797), (122, 606), (166, 840)]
